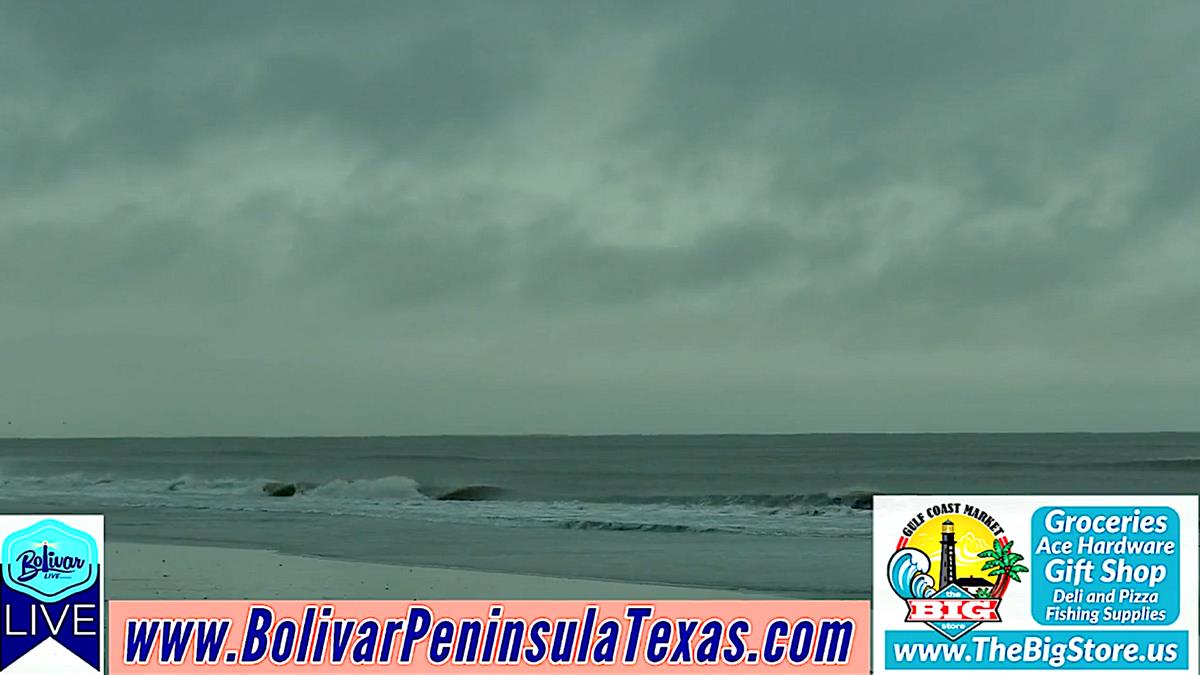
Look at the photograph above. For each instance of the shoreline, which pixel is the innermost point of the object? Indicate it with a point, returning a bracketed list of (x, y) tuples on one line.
[(152, 571)]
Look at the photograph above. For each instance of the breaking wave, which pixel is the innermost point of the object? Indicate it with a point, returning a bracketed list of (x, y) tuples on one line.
[(474, 493), (1155, 463), (1143, 463), (858, 499), (618, 526), (831, 513), (388, 487), (405, 488)]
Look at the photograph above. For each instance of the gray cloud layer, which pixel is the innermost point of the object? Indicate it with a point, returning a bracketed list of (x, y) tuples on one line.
[(301, 218)]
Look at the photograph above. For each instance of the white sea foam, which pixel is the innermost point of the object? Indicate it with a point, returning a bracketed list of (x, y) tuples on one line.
[(841, 513)]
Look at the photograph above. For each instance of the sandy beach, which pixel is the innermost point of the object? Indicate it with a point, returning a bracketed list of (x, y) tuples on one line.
[(138, 571)]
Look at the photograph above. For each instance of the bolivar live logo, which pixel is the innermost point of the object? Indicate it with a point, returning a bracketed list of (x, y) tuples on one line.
[(951, 567), (50, 594)]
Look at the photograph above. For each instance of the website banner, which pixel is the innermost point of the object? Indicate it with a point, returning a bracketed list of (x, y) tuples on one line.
[(323, 636), (1035, 583)]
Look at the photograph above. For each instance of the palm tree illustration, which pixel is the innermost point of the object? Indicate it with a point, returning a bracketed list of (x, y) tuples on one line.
[(1004, 565)]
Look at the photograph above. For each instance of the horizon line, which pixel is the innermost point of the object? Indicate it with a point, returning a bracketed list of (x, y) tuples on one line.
[(596, 435)]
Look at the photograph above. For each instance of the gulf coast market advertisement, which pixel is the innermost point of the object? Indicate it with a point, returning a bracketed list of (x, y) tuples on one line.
[(996, 584)]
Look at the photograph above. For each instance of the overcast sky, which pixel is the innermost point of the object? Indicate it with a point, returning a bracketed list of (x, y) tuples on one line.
[(509, 217)]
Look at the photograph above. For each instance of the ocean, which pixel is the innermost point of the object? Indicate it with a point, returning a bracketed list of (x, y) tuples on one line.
[(784, 515)]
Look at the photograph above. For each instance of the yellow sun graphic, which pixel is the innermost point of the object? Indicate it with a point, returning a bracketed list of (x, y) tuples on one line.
[(971, 537)]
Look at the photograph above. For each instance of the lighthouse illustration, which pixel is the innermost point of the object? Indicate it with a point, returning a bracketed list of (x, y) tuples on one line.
[(949, 573)]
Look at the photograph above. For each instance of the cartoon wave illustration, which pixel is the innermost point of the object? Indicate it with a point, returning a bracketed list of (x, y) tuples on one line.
[(908, 574)]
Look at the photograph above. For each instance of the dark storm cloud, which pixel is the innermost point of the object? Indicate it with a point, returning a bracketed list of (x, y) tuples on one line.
[(148, 82), (1002, 103), (574, 269), (386, 263), (584, 208), (125, 250)]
